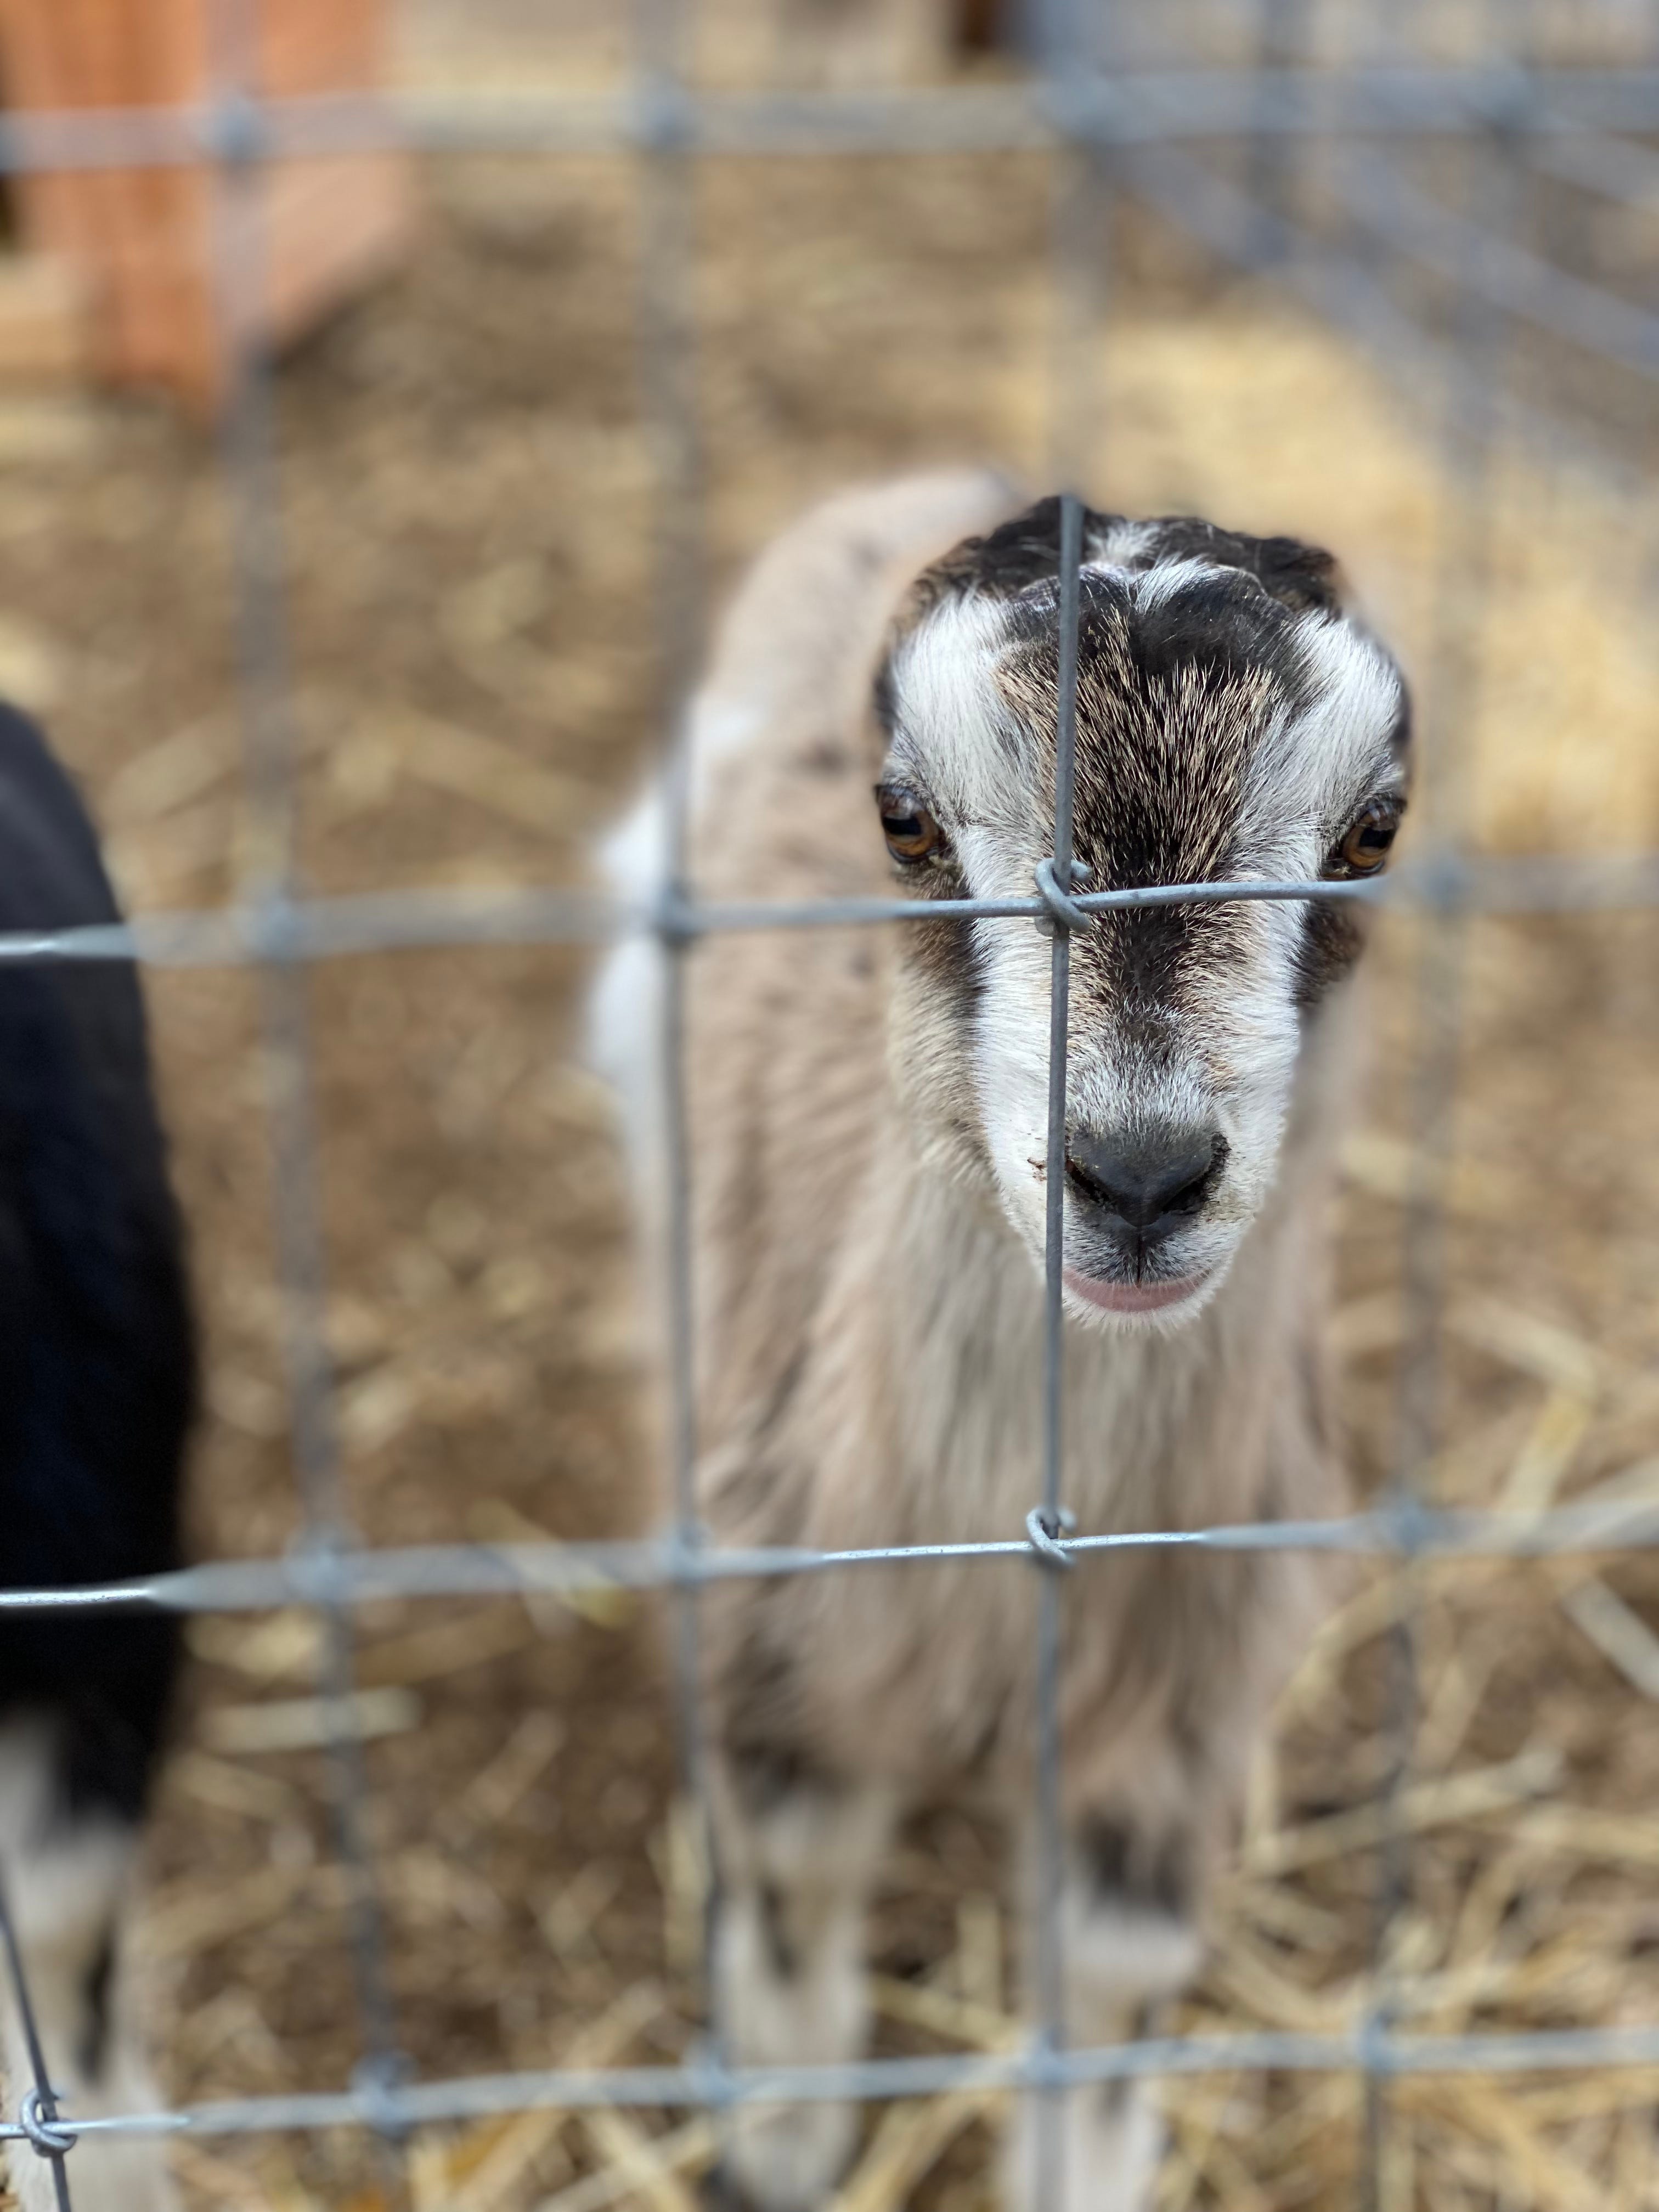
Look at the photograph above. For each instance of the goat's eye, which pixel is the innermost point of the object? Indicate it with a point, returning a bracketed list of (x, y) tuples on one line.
[(911, 832), (1365, 845)]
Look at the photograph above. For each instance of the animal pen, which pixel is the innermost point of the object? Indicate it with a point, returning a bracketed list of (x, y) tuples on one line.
[(1436, 1983)]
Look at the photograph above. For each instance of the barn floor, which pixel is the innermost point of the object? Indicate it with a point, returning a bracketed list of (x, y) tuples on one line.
[(466, 501)]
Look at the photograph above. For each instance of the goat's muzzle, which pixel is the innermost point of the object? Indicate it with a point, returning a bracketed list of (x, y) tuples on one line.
[(1140, 1190)]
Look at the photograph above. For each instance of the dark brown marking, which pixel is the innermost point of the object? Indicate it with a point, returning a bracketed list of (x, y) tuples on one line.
[(767, 1775), (758, 1698), (97, 1987), (1333, 939), (1125, 1863), (775, 1925), (1171, 702), (1025, 550)]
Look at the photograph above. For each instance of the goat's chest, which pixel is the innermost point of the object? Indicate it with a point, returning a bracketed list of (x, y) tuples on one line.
[(929, 1667)]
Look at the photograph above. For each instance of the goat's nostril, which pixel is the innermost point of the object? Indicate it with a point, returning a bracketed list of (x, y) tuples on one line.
[(1150, 1181)]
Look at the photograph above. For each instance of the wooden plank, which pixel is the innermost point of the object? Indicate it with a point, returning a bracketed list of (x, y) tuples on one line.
[(142, 242)]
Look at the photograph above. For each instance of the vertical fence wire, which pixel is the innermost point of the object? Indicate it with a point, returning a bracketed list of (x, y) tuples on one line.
[(39, 2106), (239, 276), (1438, 993), (1078, 47), (667, 358), (1280, 40), (1049, 1977)]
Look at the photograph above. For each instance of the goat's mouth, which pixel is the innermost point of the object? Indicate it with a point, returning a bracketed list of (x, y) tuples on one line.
[(1123, 1297)]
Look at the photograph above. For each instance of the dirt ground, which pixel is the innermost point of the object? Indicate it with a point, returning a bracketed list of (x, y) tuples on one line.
[(467, 507)]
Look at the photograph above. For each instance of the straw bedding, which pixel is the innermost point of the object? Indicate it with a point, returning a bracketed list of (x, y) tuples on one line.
[(466, 503)]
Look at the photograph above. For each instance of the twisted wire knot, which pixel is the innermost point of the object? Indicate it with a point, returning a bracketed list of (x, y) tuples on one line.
[(52, 2136), (1064, 912), (1043, 1532), (377, 2080)]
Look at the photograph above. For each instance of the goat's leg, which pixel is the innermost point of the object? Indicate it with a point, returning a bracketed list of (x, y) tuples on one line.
[(1124, 1922), (67, 1876), (797, 1850)]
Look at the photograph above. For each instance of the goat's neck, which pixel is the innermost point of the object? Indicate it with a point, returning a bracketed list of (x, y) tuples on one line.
[(1173, 1428)]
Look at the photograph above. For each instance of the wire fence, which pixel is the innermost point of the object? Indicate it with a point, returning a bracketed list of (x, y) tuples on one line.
[(1135, 129)]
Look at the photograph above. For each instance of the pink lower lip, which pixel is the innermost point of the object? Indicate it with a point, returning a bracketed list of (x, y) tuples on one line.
[(1130, 1297)]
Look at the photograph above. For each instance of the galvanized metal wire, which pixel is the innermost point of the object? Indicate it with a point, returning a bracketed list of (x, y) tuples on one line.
[(1472, 402), (38, 2122), (1157, 128), (1057, 877), (709, 2085), (270, 752)]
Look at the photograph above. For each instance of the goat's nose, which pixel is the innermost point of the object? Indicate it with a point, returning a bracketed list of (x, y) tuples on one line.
[(1153, 1182)]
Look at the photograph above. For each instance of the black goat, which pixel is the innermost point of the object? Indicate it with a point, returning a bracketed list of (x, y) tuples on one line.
[(97, 1375)]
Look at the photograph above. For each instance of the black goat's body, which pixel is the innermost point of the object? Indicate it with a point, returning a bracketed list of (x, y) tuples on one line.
[(97, 1375)]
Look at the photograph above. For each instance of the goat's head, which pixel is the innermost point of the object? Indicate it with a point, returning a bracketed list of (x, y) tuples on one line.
[(1232, 722)]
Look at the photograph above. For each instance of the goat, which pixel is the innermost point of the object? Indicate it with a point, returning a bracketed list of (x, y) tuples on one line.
[(868, 1129), (97, 1371)]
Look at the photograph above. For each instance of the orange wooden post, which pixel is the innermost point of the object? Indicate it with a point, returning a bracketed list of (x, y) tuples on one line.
[(142, 240)]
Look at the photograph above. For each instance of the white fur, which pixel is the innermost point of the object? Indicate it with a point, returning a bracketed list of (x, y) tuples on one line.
[(801, 1874), (1307, 778), (67, 1885), (945, 672)]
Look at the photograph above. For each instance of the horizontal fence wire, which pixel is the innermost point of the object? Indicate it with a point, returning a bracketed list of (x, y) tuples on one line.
[(1130, 108), (1545, 2051), (1564, 122), (372, 1574), (354, 924)]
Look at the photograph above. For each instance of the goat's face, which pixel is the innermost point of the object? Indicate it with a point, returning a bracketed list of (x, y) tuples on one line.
[(1231, 723)]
